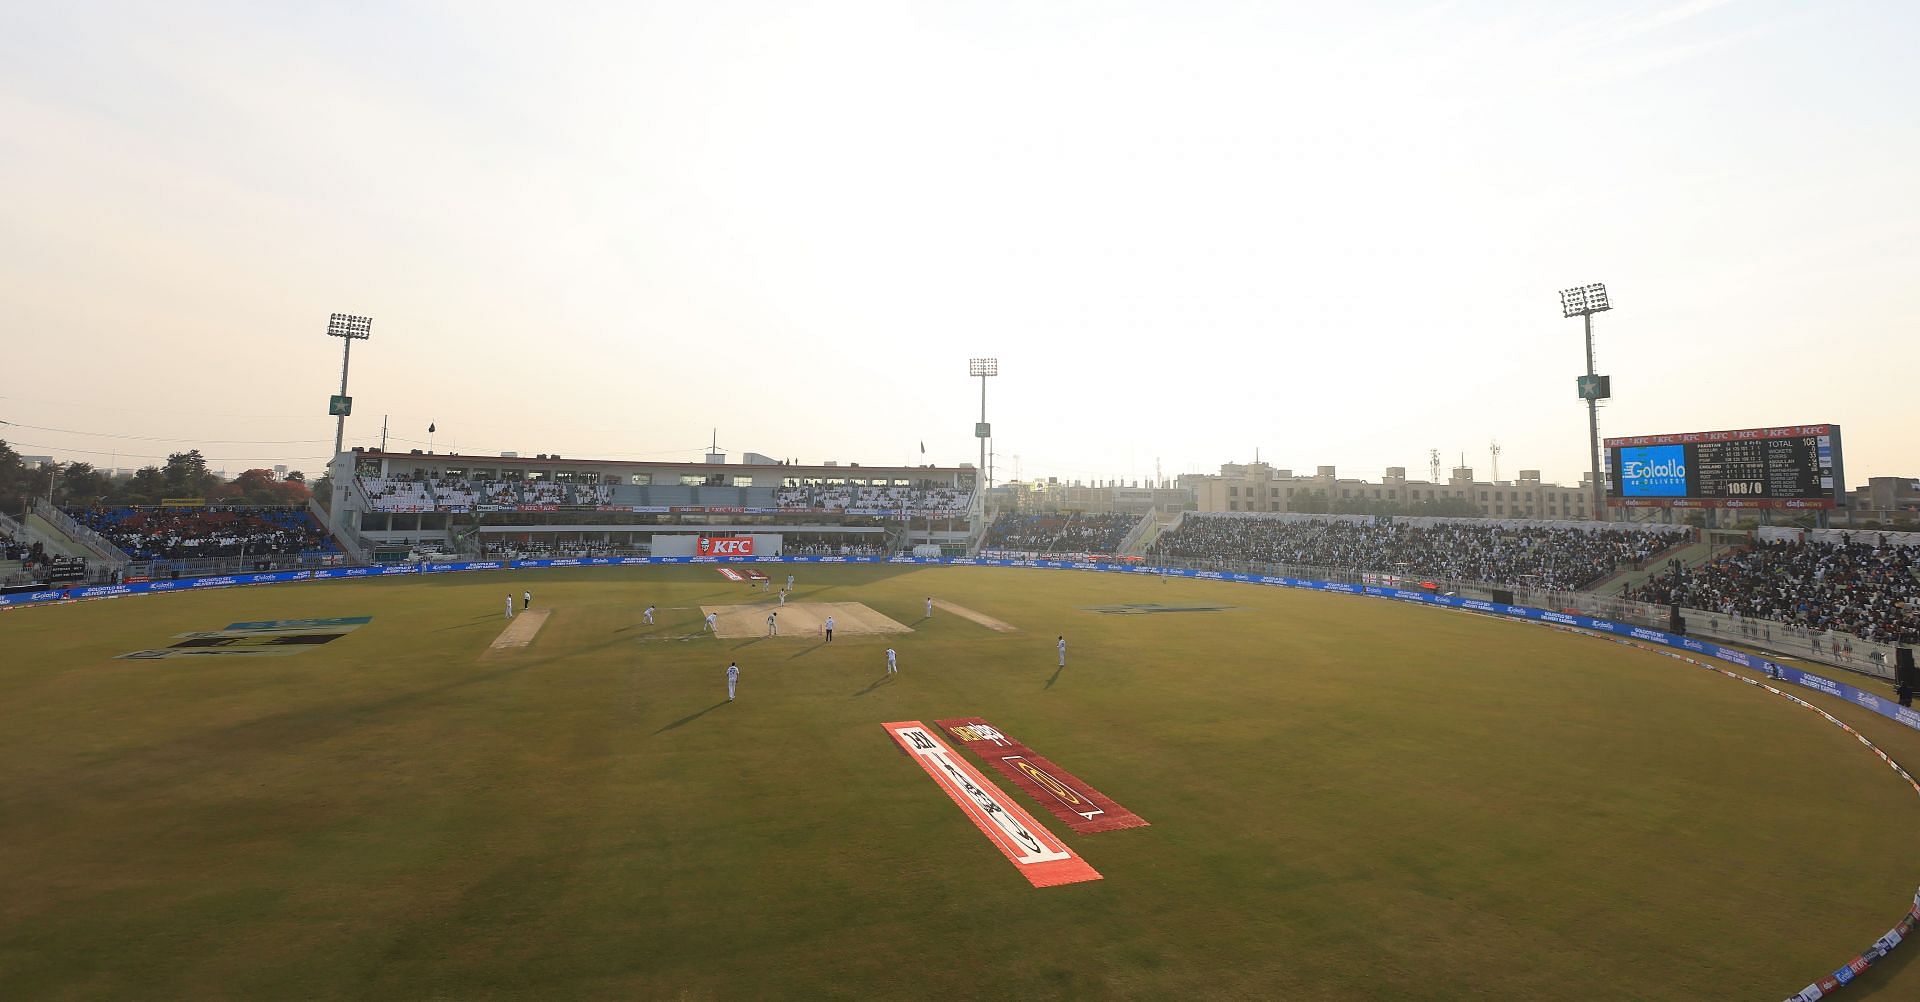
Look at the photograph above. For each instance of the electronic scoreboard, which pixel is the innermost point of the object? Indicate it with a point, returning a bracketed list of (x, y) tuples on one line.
[(1789, 467)]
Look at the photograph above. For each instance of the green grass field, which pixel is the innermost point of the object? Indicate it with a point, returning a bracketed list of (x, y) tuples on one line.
[(1348, 799)]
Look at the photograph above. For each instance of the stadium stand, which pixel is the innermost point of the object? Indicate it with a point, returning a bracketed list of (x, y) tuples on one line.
[(1515, 554), (1867, 589), (397, 494), (938, 502), (213, 531), (1070, 532)]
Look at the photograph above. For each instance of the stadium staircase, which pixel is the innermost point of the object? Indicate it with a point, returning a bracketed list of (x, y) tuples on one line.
[(1691, 555), (1141, 539), (60, 533)]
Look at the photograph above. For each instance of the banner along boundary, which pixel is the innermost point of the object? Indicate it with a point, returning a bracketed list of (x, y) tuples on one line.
[(1044, 860)]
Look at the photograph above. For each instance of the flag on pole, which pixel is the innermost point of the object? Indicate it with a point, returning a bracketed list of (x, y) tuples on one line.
[(923, 447), (430, 427)]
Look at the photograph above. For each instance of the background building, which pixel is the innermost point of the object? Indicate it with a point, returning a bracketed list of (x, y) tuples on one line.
[(1260, 487)]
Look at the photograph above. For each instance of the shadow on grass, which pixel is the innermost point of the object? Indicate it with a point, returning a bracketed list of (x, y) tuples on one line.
[(884, 678), (691, 717), (469, 623), (1055, 678), (810, 650)]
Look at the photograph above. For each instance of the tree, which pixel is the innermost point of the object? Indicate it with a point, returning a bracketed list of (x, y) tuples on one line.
[(146, 487), (250, 487), (186, 475), (13, 474), (82, 484)]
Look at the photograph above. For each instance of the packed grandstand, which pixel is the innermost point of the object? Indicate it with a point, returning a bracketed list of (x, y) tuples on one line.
[(1864, 587), (401, 493), (1557, 558), (192, 533)]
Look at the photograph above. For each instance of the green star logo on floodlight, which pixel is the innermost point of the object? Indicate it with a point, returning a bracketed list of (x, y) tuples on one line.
[(1595, 387)]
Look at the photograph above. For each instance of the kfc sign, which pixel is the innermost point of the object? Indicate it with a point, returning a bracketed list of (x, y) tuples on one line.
[(726, 546)]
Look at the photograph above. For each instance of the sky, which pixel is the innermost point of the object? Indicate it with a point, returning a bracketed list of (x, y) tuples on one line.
[(1331, 233)]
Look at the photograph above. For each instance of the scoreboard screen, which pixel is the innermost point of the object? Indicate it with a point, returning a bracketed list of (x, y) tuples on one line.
[(1790, 467)]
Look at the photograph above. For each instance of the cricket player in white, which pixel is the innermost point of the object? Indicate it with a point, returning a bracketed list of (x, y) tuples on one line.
[(648, 615), (829, 629), (713, 619), (892, 668), (529, 601), (509, 605), (929, 606), (1063, 651), (789, 582), (733, 678), (773, 624), (783, 597)]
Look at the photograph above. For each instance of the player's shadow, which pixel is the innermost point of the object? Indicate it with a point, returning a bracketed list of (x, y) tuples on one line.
[(750, 643), (884, 678), (810, 650), (1055, 678), (691, 717)]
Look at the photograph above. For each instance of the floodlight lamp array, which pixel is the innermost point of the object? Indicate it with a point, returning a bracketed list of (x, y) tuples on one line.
[(983, 367), (1584, 299), (349, 326)]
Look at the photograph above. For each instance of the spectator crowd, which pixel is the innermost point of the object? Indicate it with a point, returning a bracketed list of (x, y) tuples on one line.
[(1502, 554), (1867, 589), (212, 531), (1062, 532)]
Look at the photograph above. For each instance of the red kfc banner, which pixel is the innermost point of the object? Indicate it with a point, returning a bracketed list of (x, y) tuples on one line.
[(726, 546)]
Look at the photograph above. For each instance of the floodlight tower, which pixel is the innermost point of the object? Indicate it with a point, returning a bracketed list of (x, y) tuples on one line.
[(1584, 301), (983, 367), (348, 329)]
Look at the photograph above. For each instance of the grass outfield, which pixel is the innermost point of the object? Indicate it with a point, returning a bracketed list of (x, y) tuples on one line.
[(1348, 798)]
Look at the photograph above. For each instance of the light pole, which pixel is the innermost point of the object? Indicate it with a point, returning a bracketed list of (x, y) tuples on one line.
[(348, 329), (1584, 301), (983, 367)]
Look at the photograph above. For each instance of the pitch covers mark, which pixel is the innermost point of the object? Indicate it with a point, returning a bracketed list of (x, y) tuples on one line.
[(1044, 860), (266, 638), (1083, 808)]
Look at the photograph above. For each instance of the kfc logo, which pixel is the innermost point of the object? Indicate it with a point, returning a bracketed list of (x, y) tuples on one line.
[(726, 546)]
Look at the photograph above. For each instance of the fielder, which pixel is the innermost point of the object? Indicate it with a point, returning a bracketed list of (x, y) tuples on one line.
[(713, 622), (1063, 651), (892, 668), (529, 601), (773, 624), (929, 606), (648, 615), (829, 629), (733, 678), (789, 582), (783, 597), (509, 605)]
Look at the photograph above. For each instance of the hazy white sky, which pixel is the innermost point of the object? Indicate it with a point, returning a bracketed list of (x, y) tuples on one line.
[(1330, 231)]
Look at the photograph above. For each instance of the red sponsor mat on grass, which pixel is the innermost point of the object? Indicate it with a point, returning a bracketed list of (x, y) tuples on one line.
[(1083, 808), (1033, 850), (730, 574)]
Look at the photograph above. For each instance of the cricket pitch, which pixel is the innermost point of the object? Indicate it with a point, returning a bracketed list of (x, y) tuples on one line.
[(800, 619)]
